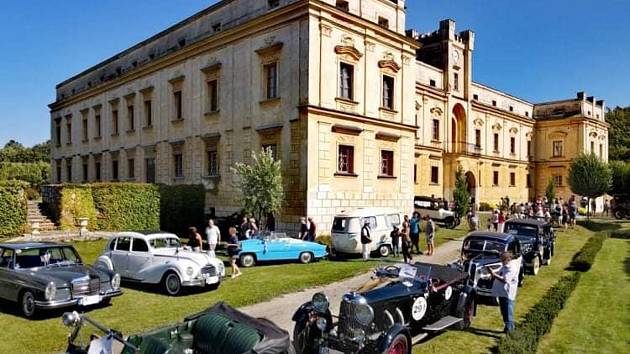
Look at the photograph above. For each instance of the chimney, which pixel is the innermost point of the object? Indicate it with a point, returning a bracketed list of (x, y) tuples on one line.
[(581, 95)]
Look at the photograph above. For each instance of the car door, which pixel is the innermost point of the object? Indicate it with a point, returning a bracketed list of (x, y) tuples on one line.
[(120, 255), (8, 287), (139, 258)]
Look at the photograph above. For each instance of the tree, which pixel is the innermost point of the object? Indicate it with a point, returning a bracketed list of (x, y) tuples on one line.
[(461, 195), (620, 177), (589, 177), (260, 183), (14, 151), (619, 133), (550, 192)]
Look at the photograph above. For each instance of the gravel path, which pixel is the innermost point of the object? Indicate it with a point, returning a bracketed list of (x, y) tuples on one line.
[(281, 309)]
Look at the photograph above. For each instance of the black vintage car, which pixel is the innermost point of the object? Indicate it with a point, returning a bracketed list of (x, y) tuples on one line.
[(46, 275), (397, 308), (217, 330), (481, 251), (537, 239)]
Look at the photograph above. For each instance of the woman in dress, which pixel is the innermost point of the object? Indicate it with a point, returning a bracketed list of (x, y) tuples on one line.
[(234, 249)]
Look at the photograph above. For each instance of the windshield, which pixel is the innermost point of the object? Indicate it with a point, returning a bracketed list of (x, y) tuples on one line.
[(42, 257), (268, 236), (476, 246), (342, 224), (521, 230), (165, 242)]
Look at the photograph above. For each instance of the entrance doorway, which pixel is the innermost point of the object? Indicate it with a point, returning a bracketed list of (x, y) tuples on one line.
[(472, 187)]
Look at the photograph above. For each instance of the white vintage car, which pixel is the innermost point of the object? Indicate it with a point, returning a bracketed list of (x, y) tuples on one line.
[(158, 258)]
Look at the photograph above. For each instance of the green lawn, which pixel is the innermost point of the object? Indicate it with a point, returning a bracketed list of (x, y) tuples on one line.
[(487, 326), (597, 315)]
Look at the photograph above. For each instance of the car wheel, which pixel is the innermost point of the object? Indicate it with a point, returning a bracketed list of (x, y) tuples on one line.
[(27, 304), (306, 257), (449, 223), (214, 286), (106, 301), (619, 214), (248, 260), (535, 266), (548, 261), (400, 345), (303, 338), (172, 284), (383, 251)]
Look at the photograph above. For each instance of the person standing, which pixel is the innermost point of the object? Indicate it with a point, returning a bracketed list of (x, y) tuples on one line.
[(593, 207), (395, 236), (213, 236), (504, 287), (312, 230), (303, 229), (243, 228), (414, 232), (252, 228), (606, 207), (234, 249), (406, 245), (194, 239), (495, 220), (573, 210), (430, 234), (270, 223), (501, 220), (366, 240)]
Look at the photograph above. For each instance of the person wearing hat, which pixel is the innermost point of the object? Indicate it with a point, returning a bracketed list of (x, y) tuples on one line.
[(366, 239)]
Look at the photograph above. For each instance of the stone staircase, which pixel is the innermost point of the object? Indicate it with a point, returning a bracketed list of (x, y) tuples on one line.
[(35, 214)]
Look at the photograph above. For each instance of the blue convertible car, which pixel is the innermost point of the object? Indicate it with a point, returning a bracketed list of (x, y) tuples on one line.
[(279, 247)]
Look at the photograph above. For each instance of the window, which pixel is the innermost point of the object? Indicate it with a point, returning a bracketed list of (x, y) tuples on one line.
[(601, 151), (59, 171), (477, 138), (115, 170), (456, 81), (435, 178), (436, 130), (97, 123), (148, 113), (177, 102), (85, 171), (139, 245), (346, 159), (558, 148), (213, 95), (216, 27), (512, 145), (512, 179), (343, 5), (115, 122), (123, 244), (476, 97), (387, 163), (69, 170), (97, 171), (496, 142), (526, 114), (383, 22), (131, 168), (7, 259), (557, 180), (131, 118), (273, 3), (273, 148), (592, 147), (178, 165), (415, 173), (271, 80), (388, 92), (149, 165), (213, 163), (511, 108), (495, 178), (85, 128), (494, 103), (529, 148), (346, 81), (58, 131), (69, 130), (529, 181)]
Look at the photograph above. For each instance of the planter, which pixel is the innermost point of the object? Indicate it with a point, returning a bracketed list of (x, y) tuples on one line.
[(83, 224)]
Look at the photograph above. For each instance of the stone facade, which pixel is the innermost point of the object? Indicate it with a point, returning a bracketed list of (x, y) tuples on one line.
[(360, 112)]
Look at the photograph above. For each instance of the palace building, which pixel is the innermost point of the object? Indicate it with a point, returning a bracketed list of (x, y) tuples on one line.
[(361, 111)]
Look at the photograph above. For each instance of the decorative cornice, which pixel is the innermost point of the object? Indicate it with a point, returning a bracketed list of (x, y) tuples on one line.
[(177, 79), (147, 89), (346, 129), (387, 136), (349, 50), (497, 126), (389, 64), (513, 130), (478, 122), (436, 111), (325, 29), (211, 68), (270, 49)]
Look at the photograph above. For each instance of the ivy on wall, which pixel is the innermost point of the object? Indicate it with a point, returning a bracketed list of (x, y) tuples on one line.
[(182, 206), (76, 202), (127, 206), (12, 208)]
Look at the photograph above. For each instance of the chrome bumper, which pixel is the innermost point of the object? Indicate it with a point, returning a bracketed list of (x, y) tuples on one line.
[(55, 304), (202, 281)]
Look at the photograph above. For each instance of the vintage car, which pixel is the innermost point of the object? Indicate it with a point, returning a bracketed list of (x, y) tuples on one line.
[(481, 251), (435, 208), (537, 239), (277, 246), (218, 330), (158, 258), (46, 275), (346, 230), (397, 308)]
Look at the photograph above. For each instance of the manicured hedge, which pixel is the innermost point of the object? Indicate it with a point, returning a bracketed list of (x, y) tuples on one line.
[(484, 206), (583, 260), (12, 209), (182, 206), (75, 201), (126, 206), (539, 319), (620, 234)]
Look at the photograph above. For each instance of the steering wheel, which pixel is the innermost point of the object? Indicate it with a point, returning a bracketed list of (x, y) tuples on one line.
[(390, 271)]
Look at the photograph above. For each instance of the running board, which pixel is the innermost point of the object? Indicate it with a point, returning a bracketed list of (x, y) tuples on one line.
[(443, 323), (415, 340)]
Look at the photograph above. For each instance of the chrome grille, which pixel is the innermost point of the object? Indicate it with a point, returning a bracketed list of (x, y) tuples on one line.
[(210, 270), (347, 318), (85, 286)]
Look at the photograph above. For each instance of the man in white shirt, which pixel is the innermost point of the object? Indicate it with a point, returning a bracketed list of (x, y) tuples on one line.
[(213, 235), (505, 286)]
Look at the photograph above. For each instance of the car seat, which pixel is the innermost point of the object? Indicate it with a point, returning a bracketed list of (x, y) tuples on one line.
[(216, 334)]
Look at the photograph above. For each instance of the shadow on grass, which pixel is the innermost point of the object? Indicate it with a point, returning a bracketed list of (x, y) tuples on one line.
[(626, 265), (598, 225), (12, 309), (486, 332)]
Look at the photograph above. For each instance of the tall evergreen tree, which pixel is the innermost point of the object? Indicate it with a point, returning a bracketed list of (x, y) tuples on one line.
[(461, 195)]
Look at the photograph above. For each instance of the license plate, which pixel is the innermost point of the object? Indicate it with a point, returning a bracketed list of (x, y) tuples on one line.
[(90, 300), (211, 280)]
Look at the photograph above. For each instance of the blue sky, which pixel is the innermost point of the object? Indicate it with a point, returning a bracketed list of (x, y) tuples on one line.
[(535, 49)]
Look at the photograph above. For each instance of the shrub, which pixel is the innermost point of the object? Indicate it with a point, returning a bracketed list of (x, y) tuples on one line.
[(75, 201), (583, 260), (539, 319), (484, 206), (181, 206), (620, 234), (126, 206), (12, 209), (582, 211), (35, 173)]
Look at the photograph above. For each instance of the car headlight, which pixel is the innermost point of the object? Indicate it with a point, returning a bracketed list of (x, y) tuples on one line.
[(484, 273), (320, 302), (115, 281), (51, 291), (190, 271), (364, 314), (322, 324)]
